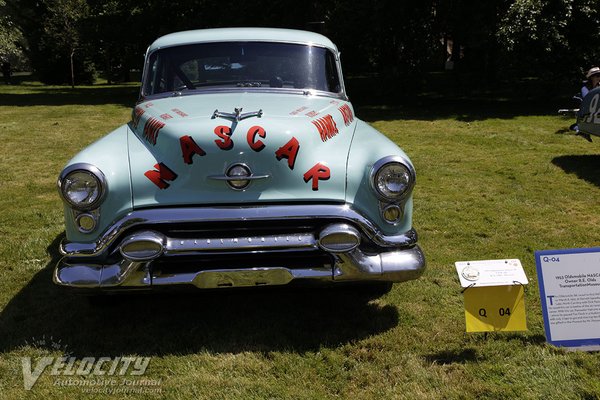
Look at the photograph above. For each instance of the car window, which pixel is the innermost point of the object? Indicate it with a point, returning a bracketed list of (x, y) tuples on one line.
[(241, 64)]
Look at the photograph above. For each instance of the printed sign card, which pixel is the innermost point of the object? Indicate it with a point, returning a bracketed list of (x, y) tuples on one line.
[(491, 273), (569, 282)]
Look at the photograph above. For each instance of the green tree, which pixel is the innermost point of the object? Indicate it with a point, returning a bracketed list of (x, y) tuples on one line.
[(471, 27), (116, 30), (392, 38), (12, 42), (52, 29), (399, 38), (61, 39), (558, 37)]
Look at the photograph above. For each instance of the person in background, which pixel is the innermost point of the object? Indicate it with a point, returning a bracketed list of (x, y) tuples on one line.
[(592, 82)]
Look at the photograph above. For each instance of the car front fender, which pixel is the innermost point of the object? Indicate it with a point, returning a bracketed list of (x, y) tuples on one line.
[(369, 146), (110, 155)]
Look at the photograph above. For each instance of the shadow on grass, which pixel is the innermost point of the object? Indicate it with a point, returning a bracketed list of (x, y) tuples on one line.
[(125, 95), (469, 354), (459, 109), (586, 167), (450, 96), (296, 320), (462, 356), (565, 131)]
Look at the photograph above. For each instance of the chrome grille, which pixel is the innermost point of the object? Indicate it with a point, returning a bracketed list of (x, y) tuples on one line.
[(295, 241)]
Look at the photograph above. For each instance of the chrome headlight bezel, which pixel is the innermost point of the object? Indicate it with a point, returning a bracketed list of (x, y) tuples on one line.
[(241, 170), (95, 175), (384, 164)]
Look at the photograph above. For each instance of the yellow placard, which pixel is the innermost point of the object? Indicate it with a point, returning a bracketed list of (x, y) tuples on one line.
[(495, 308)]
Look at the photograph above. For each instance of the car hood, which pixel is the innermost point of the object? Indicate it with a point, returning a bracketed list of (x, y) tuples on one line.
[(296, 147)]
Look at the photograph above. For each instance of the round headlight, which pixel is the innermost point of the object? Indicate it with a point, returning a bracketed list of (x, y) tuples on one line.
[(81, 188), (393, 180)]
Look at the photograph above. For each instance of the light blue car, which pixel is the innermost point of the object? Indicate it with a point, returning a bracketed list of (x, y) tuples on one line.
[(243, 165), (588, 115)]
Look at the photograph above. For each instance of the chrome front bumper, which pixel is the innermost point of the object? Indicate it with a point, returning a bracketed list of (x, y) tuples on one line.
[(131, 253), (396, 266)]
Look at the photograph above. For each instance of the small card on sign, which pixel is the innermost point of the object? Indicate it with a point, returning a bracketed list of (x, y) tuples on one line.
[(491, 273), (495, 308)]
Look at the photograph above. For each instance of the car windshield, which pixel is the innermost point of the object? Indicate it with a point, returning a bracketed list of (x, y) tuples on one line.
[(241, 65)]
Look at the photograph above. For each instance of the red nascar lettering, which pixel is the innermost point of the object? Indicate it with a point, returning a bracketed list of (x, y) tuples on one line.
[(152, 129), (318, 172), (326, 127), (256, 145), (189, 148), (179, 112), (161, 175), (136, 116), (347, 114), (299, 110), (166, 116), (289, 151), (224, 132)]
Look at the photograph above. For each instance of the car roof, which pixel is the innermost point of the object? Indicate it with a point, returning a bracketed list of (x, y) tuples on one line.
[(241, 34)]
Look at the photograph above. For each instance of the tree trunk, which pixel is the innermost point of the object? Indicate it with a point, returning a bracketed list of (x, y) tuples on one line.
[(72, 70)]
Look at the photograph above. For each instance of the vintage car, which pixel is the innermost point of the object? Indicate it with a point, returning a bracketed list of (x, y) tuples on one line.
[(588, 115), (243, 165)]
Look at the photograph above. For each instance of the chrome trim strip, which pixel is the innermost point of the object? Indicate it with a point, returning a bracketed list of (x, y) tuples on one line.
[(230, 178), (306, 43), (237, 178), (301, 92), (247, 243), (233, 214)]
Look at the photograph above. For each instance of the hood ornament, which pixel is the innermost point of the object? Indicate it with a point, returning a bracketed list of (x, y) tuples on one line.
[(237, 114)]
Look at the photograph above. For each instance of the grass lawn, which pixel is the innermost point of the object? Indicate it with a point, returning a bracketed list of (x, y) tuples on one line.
[(496, 179)]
